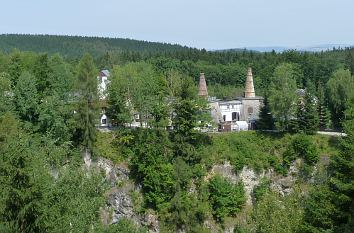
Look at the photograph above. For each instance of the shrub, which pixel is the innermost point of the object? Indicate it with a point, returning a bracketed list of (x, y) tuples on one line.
[(305, 148), (226, 199), (261, 189)]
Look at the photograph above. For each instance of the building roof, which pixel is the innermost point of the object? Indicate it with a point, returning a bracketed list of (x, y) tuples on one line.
[(105, 73), (225, 102)]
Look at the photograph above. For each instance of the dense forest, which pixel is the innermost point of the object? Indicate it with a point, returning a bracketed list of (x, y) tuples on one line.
[(76, 46), (51, 149)]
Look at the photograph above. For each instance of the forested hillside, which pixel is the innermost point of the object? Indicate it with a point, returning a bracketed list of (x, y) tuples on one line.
[(59, 173), (76, 46)]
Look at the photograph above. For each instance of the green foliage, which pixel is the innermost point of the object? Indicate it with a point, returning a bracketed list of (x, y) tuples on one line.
[(105, 147), (87, 103), (44, 187), (20, 188), (282, 94), (5, 93), (26, 97), (323, 112), (56, 118), (76, 46), (278, 214), (185, 211), (41, 71), (137, 88), (319, 211), (73, 200), (311, 114), (122, 226), (241, 149), (150, 165), (261, 189), (330, 205), (305, 148), (340, 90), (265, 121), (225, 198)]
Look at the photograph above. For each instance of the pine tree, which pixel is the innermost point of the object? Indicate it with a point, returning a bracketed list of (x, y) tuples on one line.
[(87, 104), (310, 117), (323, 112), (297, 124), (15, 67), (20, 193), (265, 120), (349, 61), (42, 71), (26, 98)]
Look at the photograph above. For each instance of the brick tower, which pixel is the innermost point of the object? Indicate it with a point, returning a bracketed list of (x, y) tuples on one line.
[(203, 90), (249, 88)]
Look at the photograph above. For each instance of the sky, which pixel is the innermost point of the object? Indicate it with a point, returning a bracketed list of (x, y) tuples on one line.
[(210, 24)]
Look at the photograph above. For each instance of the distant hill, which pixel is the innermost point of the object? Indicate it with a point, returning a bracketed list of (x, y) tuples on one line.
[(316, 48), (75, 46)]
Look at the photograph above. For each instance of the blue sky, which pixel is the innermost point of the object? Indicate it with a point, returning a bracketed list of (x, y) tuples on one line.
[(210, 24)]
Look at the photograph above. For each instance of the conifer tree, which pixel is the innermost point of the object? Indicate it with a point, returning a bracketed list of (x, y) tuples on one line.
[(87, 104), (310, 114), (42, 71), (15, 67), (266, 120), (26, 97), (323, 112)]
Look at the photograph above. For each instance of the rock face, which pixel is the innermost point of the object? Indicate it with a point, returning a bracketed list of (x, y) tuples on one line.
[(120, 203), (114, 173), (251, 179), (119, 198)]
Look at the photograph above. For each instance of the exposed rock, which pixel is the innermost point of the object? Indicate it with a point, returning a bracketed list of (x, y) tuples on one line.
[(113, 172), (250, 179), (121, 203), (151, 221), (119, 200), (225, 170), (210, 224), (87, 158), (283, 186)]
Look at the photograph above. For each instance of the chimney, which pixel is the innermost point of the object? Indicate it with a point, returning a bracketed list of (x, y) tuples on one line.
[(249, 89), (203, 90)]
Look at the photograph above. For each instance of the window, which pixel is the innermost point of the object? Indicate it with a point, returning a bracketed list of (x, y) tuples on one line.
[(235, 116), (104, 121), (250, 110), (224, 117)]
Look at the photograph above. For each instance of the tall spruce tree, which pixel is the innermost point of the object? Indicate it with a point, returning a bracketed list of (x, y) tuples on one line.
[(330, 207), (26, 98), (266, 120), (323, 112), (310, 114), (42, 71), (20, 190), (87, 103)]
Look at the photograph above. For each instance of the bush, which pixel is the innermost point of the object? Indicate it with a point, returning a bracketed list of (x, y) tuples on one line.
[(261, 189), (226, 199), (123, 226), (301, 147), (305, 149)]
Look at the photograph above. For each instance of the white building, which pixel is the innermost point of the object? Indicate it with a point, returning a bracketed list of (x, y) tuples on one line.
[(103, 81), (234, 114)]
